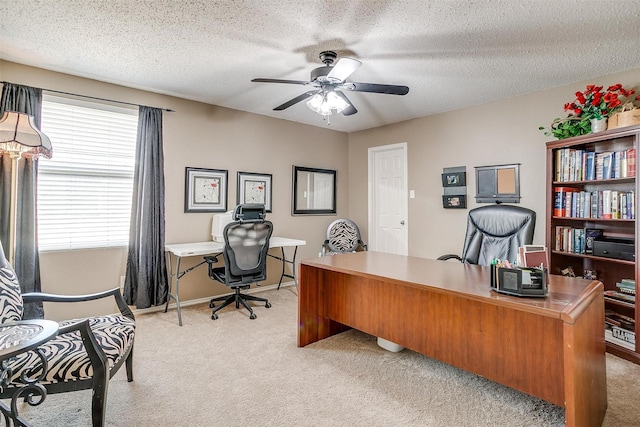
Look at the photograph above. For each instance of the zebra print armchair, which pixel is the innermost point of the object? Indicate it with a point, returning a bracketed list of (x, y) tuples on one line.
[(343, 235), (85, 354)]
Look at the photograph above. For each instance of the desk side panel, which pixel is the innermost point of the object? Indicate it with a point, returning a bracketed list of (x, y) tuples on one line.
[(520, 349), (585, 365), (313, 325)]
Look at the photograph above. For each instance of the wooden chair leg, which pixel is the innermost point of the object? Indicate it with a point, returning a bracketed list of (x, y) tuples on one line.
[(129, 365), (99, 397)]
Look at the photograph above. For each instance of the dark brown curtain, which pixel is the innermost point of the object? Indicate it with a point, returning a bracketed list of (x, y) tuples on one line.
[(146, 278)]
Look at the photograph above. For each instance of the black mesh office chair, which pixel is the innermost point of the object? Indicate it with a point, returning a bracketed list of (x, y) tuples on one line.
[(496, 232), (246, 242)]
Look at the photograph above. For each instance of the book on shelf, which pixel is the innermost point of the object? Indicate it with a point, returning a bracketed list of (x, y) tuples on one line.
[(613, 318), (627, 286), (606, 204), (590, 173), (616, 158), (631, 162), (623, 334), (620, 296), (609, 337)]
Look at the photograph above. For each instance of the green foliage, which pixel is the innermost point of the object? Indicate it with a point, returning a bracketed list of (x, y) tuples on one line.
[(568, 127)]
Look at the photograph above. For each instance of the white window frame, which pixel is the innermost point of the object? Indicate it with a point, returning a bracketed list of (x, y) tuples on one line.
[(93, 148)]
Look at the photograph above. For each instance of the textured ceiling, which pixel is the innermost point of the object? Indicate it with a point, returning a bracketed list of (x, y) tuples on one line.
[(451, 54)]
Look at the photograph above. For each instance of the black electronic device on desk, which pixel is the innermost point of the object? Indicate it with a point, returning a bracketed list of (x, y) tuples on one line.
[(615, 248), (519, 281)]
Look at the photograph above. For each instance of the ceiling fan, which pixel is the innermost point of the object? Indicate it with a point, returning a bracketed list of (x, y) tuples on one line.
[(328, 82)]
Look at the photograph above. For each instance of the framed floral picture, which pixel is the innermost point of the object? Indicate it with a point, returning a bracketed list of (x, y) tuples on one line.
[(205, 190), (254, 188)]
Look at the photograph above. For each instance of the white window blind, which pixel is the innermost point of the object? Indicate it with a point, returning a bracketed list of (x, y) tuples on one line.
[(84, 190)]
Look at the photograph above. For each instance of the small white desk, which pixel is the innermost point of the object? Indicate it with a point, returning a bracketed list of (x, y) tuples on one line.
[(180, 250)]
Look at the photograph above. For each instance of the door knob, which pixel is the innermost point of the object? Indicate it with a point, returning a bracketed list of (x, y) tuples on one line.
[(402, 222)]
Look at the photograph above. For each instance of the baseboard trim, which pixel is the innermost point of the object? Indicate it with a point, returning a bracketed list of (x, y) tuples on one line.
[(187, 303)]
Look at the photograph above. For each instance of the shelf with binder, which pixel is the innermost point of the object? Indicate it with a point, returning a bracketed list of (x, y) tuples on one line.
[(591, 189)]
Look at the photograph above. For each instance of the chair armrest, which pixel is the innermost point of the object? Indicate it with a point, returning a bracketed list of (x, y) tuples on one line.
[(211, 259), (115, 292), (449, 256)]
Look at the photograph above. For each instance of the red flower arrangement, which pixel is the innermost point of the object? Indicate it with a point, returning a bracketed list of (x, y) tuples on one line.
[(594, 103)]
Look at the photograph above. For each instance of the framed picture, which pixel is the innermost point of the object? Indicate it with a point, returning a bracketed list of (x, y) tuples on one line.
[(205, 190), (454, 202), (254, 188), (454, 179)]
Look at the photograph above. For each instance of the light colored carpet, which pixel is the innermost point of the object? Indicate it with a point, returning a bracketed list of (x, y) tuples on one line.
[(235, 372)]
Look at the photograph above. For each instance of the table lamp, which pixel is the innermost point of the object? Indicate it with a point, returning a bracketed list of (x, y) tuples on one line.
[(19, 137)]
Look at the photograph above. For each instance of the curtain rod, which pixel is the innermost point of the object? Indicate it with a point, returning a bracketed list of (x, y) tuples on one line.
[(96, 98)]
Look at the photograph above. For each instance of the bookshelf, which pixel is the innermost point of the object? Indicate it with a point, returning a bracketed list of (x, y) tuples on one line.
[(591, 223)]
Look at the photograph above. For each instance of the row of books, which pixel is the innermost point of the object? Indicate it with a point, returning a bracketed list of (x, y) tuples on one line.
[(581, 165), (618, 320), (576, 240), (604, 204), (621, 337), (627, 286), (620, 296)]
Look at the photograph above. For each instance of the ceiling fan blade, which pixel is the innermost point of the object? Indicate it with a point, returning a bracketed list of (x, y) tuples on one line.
[(295, 100), (343, 69), (293, 82), (350, 110), (377, 88)]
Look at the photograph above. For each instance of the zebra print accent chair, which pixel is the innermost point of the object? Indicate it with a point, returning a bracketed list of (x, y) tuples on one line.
[(343, 235), (85, 354)]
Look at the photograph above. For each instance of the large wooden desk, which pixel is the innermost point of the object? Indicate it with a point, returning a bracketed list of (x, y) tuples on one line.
[(552, 348)]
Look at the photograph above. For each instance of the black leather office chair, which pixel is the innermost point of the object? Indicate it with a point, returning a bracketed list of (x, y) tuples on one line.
[(246, 242), (496, 231), (343, 235)]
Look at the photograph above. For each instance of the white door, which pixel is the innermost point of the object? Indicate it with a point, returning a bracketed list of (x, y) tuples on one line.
[(322, 191), (388, 204)]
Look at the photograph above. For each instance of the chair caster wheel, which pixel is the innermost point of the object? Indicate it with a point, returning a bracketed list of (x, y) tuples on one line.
[(214, 316), (267, 305), (252, 316), (211, 305)]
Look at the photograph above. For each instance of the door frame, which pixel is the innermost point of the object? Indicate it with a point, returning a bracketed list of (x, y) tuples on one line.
[(370, 192)]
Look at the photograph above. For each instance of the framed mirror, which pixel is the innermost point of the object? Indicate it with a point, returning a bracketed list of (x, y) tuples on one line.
[(314, 191)]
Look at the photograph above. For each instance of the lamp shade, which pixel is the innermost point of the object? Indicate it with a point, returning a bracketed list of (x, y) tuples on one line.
[(19, 136), (328, 102)]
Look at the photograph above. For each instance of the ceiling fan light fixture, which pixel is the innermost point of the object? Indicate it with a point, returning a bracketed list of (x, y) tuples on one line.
[(315, 102), (325, 109), (326, 79), (336, 102), (327, 104)]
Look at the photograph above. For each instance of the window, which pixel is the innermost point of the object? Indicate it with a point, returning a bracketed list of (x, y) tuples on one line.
[(84, 190)]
